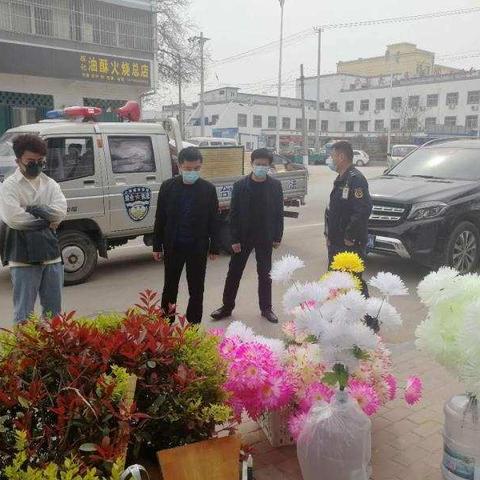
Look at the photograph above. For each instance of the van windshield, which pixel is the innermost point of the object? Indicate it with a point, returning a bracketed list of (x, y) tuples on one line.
[(440, 162)]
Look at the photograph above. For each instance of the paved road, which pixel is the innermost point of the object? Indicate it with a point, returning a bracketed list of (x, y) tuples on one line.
[(129, 270)]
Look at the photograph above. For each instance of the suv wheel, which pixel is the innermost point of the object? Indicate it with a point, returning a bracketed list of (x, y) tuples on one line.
[(360, 163), (79, 254), (463, 247)]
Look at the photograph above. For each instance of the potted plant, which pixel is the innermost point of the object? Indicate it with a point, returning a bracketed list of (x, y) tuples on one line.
[(450, 335)]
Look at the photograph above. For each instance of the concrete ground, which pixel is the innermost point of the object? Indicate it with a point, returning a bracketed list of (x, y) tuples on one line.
[(407, 442)]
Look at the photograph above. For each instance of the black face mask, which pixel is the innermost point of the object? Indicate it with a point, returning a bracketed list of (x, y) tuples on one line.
[(34, 169)]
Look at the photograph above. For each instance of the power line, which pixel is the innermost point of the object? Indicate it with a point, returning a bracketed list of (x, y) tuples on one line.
[(297, 37)]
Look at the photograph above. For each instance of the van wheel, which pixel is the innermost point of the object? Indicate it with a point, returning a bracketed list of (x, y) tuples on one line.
[(360, 163), (226, 237), (463, 247), (79, 254)]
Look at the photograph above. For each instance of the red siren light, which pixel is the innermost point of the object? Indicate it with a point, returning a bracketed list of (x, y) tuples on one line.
[(87, 113), (130, 111)]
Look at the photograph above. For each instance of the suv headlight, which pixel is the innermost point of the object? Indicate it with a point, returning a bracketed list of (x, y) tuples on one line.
[(424, 211)]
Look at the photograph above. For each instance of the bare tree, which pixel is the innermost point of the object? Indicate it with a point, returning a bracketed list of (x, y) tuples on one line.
[(411, 114)]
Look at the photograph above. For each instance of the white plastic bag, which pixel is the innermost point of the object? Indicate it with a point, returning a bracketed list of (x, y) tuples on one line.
[(335, 443)]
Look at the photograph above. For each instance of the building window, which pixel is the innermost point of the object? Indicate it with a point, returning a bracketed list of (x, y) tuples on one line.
[(349, 126), (471, 122), (121, 149), (324, 125), (379, 125), (272, 122), (70, 158), (430, 123), (473, 98), (322, 105), (396, 103), (333, 106), (380, 104), (412, 124), (242, 120), (450, 121), (215, 119), (257, 121), (432, 100), (21, 18), (349, 106), (364, 125), (452, 98), (298, 124), (395, 124), (286, 123), (312, 125), (364, 105), (414, 101)]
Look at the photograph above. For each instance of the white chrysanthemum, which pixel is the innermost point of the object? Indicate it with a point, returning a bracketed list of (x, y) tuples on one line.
[(469, 335), (240, 330), (387, 314), (283, 270), (339, 280), (328, 310), (276, 346), (332, 356), (351, 307), (300, 294), (433, 287), (345, 336), (470, 375), (309, 321), (388, 284)]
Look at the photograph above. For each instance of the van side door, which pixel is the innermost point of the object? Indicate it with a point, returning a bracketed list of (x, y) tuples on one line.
[(134, 179)]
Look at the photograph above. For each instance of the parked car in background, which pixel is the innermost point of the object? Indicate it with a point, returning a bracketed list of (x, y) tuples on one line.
[(399, 152), (427, 207), (360, 158), (213, 142)]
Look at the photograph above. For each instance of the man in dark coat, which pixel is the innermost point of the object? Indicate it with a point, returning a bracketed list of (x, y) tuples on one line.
[(186, 232), (256, 223)]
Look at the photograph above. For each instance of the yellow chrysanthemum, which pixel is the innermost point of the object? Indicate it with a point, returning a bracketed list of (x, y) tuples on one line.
[(358, 283), (348, 262)]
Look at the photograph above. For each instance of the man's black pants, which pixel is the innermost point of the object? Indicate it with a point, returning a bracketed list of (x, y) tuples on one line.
[(196, 266), (263, 254)]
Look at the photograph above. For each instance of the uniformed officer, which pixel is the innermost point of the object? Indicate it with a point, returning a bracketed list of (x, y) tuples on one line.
[(346, 219)]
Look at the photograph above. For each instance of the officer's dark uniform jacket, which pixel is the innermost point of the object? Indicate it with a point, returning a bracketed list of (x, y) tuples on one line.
[(350, 206)]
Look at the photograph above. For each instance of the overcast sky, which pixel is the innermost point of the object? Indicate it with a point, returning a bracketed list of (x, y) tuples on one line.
[(235, 26)]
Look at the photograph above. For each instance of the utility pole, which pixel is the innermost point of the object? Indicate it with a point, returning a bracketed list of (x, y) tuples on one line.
[(304, 117), (280, 60), (202, 40), (181, 120), (319, 59)]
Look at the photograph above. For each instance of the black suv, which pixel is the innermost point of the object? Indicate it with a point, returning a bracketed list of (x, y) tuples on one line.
[(427, 207)]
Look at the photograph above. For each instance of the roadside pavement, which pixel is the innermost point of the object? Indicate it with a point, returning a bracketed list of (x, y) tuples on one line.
[(407, 441)]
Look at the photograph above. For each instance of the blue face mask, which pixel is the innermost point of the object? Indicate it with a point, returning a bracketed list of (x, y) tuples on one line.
[(260, 171), (190, 176), (331, 165)]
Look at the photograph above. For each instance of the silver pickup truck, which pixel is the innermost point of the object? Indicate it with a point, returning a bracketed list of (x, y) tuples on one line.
[(110, 174)]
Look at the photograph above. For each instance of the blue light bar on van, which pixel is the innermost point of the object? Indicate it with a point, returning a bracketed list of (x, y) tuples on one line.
[(54, 114)]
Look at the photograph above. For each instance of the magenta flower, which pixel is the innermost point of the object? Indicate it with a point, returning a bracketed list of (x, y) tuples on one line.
[(365, 395), (217, 332), (315, 392), (296, 424), (413, 390), (391, 383)]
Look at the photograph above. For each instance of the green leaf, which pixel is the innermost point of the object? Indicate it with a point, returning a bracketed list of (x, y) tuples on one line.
[(23, 402), (360, 354), (88, 447), (342, 375), (330, 378)]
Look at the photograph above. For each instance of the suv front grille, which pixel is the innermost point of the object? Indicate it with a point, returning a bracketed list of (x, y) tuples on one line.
[(385, 214)]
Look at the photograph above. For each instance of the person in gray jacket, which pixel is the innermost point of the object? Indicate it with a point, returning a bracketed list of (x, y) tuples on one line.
[(32, 206)]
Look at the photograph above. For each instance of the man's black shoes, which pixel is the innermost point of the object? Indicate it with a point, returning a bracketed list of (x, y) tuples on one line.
[(270, 316), (221, 313)]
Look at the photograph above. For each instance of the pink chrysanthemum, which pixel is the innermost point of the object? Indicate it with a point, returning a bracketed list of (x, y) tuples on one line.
[(315, 392), (391, 383), (365, 395), (289, 329), (217, 332), (228, 347), (296, 424), (309, 305), (413, 390)]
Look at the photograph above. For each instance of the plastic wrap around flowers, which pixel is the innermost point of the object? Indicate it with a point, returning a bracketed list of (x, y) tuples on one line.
[(327, 346)]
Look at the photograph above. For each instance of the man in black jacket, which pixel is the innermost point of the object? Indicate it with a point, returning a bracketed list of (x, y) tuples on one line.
[(186, 230), (256, 223)]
